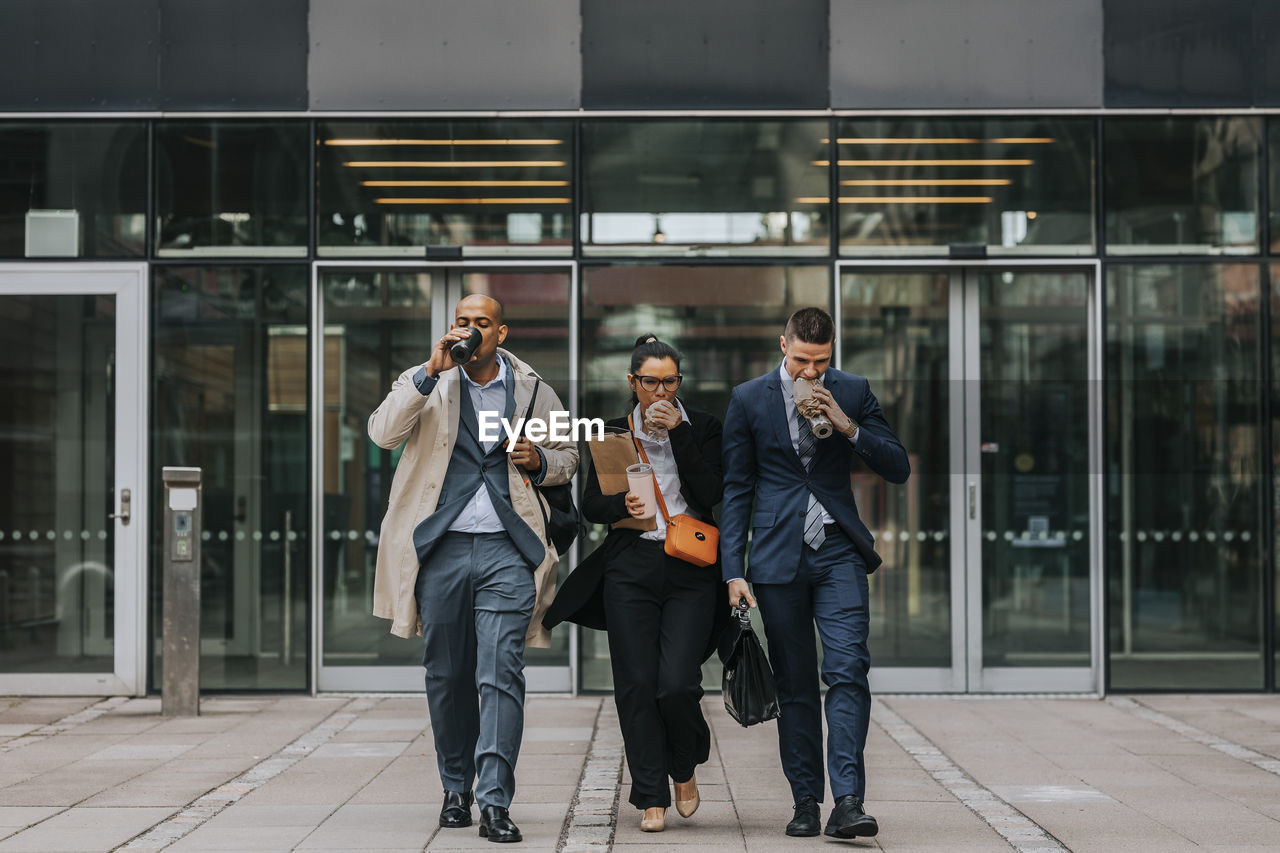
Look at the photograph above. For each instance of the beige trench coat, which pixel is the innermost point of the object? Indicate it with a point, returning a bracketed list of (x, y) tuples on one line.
[(427, 426)]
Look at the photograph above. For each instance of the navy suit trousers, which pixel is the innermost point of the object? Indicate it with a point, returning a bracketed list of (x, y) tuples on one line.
[(830, 589)]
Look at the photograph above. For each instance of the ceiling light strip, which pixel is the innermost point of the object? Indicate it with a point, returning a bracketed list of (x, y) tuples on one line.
[(899, 199), (928, 182), (372, 142), (464, 183), (472, 201), (965, 162), (944, 140), (450, 164)]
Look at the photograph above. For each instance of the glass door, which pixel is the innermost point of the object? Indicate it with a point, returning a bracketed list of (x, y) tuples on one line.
[(1030, 456), (991, 577), (73, 499), (379, 319)]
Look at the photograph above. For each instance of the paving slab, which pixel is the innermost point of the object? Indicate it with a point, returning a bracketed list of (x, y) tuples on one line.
[(1099, 778), (359, 773), (84, 829)]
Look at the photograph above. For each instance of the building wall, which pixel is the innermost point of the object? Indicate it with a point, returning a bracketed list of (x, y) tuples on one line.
[(69, 55)]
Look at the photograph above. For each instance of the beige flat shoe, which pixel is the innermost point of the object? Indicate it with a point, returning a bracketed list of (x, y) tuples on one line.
[(687, 799), (654, 820)]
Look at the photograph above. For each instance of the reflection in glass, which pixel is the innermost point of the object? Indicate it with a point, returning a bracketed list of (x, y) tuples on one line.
[(1035, 468), (1182, 185), (918, 186), (57, 463), (1275, 453), (725, 321), (376, 325), (495, 187), (894, 328), (1184, 495), (675, 186), (231, 188), (85, 184), (230, 395), (1274, 160)]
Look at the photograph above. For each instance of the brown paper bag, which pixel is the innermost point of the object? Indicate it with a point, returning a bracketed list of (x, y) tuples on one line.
[(612, 455)]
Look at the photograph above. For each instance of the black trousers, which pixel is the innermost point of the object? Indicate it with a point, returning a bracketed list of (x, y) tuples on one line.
[(659, 611)]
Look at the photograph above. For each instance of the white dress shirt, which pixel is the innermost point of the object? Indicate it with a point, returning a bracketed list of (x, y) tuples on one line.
[(663, 460)]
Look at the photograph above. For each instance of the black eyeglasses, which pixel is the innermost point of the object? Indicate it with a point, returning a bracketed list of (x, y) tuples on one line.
[(650, 383)]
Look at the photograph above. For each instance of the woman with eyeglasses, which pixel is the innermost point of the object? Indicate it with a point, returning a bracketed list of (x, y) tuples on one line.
[(662, 614)]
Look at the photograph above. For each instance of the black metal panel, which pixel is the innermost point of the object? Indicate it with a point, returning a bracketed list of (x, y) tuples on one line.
[(677, 54), (77, 55), (1181, 53), (233, 54), (1267, 54)]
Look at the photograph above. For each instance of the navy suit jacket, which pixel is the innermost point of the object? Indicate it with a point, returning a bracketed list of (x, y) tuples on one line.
[(766, 488)]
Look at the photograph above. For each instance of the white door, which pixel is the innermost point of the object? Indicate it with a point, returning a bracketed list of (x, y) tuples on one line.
[(73, 509)]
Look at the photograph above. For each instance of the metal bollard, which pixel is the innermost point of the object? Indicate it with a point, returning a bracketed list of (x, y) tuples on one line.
[(180, 684)]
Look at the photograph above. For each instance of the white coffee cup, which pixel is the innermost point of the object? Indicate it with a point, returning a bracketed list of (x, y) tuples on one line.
[(640, 484)]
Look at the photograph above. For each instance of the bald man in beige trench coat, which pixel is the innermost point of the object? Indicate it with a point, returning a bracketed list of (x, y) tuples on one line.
[(463, 557)]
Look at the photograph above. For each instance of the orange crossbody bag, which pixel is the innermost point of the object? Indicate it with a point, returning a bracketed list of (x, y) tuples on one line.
[(688, 539)]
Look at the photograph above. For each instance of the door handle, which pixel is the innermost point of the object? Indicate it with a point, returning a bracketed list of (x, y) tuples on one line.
[(973, 500), (126, 502)]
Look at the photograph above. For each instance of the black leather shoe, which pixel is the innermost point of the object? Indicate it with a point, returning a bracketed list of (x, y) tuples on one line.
[(496, 825), (805, 823), (456, 811), (848, 820)]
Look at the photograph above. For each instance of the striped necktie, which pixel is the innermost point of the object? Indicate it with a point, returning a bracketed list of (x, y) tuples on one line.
[(814, 534)]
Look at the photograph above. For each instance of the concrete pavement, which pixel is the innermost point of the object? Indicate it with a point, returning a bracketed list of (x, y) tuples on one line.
[(276, 773)]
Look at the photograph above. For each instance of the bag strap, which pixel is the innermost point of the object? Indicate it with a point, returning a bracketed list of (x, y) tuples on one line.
[(657, 491), (533, 398)]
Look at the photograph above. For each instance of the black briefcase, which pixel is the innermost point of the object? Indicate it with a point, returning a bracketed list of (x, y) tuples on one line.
[(750, 693)]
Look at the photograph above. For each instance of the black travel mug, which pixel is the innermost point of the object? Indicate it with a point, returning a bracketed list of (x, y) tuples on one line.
[(462, 351)]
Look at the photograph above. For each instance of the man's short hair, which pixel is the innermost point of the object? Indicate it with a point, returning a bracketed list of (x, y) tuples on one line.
[(811, 326)]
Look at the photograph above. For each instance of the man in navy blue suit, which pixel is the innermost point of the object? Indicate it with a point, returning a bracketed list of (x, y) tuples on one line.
[(810, 557)]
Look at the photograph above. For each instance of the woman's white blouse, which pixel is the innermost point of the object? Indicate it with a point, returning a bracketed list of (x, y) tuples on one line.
[(663, 461)]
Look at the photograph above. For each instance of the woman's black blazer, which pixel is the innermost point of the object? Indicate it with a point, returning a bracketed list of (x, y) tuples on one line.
[(695, 443)]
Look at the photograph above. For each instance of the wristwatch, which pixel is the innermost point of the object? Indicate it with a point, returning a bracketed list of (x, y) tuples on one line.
[(851, 433)]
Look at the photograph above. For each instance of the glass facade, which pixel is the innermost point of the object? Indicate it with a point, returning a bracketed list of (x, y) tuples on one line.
[(895, 330), (1185, 485), (1273, 159), (376, 325), (1182, 186), (1034, 432), (1010, 186), (485, 187), (57, 458), (689, 187), (73, 189), (1118, 370), (230, 395), (231, 188)]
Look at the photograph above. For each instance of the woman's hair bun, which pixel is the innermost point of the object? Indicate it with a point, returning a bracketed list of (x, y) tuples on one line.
[(647, 339)]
